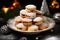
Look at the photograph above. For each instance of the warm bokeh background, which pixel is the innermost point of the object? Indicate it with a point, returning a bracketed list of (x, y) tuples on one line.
[(38, 3), (23, 2)]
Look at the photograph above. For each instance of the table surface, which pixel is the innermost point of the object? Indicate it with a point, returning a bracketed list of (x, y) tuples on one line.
[(53, 34)]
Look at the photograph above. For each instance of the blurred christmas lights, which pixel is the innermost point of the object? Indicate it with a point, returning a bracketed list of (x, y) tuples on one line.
[(54, 4), (11, 7), (16, 3), (5, 9)]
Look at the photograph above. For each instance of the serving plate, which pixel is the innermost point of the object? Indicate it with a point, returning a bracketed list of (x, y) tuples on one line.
[(11, 24)]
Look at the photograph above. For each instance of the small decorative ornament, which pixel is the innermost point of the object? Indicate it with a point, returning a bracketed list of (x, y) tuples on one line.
[(4, 29), (44, 8)]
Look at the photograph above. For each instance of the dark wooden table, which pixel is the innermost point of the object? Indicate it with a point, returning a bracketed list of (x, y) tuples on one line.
[(53, 34)]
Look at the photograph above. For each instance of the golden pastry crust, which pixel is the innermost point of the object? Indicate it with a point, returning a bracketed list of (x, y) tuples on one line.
[(31, 15), (23, 13), (27, 10), (17, 19), (31, 7), (38, 20), (21, 27), (38, 23), (33, 28), (39, 13), (43, 26), (27, 23)]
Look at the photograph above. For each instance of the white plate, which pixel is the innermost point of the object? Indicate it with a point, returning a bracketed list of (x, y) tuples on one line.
[(11, 24)]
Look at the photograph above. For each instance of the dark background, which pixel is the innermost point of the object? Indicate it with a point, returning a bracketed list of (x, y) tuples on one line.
[(23, 3), (7, 3), (38, 3)]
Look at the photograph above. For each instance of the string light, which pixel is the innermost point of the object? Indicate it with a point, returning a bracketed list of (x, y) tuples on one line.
[(11, 8), (5, 9), (16, 3)]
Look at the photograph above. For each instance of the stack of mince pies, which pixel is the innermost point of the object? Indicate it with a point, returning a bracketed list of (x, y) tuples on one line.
[(30, 19)]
